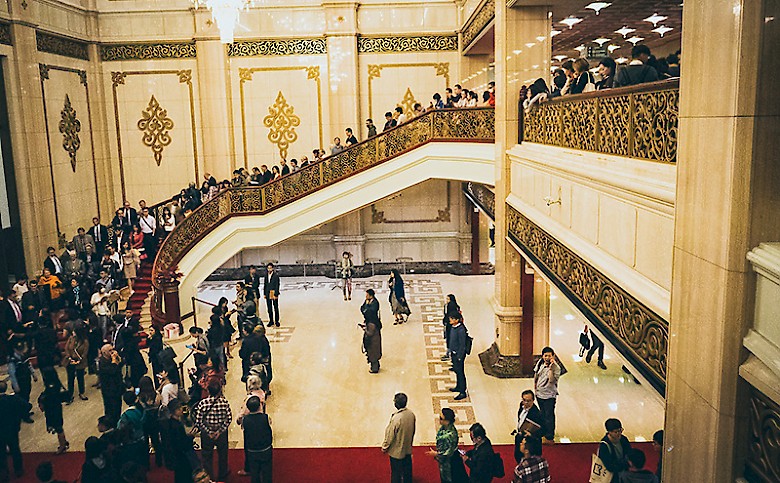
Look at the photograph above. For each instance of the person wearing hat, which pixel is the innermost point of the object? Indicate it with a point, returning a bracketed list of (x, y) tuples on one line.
[(614, 449)]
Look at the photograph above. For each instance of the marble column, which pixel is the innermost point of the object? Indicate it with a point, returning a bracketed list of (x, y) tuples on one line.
[(515, 27), (727, 184), (218, 155), (541, 314), (343, 82)]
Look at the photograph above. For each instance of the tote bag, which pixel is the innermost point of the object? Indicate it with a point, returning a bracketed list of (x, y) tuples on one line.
[(599, 472)]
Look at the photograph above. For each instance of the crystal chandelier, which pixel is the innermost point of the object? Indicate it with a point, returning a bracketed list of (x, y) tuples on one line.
[(225, 13)]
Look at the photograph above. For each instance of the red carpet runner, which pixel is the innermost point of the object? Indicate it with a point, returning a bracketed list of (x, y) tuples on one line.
[(141, 288), (569, 463)]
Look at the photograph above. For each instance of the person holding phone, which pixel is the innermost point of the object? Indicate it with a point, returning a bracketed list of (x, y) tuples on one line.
[(547, 372), (271, 285)]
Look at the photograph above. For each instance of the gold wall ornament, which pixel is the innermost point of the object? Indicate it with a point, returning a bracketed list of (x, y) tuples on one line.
[(637, 121), (70, 127), (146, 51), (408, 102), (375, 71), (273, 47), (763, 441), (481, 18), (282, 121), (418, 43), (55, 44), (118, 78), (155, 126)]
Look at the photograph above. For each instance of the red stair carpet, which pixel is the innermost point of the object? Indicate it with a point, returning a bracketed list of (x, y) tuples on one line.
[(569, 463), (141, 288)]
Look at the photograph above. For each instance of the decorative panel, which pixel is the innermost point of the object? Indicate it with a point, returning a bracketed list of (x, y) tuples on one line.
[(256, 48), (5, 33), (390, 84), (763, 459), (54, 44), (168, 50), (483, 15), (639, 333), (422, 43)]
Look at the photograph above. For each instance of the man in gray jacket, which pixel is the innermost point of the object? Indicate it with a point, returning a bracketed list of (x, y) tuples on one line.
[(398, 441)]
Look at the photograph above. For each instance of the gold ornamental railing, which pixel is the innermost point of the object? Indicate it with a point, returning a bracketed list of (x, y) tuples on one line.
[(447, 125), (636, 122)]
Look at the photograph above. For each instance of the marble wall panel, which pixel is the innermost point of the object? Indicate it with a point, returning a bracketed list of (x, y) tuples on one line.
[(159, 165), (617, 229), (387, 79), (258, 84), (414, 17), (426, 206), (653, 258)]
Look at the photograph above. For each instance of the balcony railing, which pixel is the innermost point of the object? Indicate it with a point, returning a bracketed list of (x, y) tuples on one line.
[(446, 125), (636, 122)]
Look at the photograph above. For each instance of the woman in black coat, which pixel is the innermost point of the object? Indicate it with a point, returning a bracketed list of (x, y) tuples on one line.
[(397, 297), (111, 385), (450, 307)]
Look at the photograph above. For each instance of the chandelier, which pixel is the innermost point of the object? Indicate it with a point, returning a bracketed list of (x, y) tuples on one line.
[(225, 13)]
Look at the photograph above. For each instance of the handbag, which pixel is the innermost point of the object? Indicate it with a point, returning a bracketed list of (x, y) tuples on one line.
[(598, 472), (584, 340)]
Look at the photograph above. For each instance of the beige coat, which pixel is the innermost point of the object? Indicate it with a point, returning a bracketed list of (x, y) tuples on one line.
[(131, 261), (399, 434)]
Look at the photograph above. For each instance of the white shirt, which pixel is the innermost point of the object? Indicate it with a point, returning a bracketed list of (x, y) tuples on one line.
[(57, 265), (168, 392), (401, 118), (101, 308), (147, 223), (20, 290), (115, 257), (521, 418), (170, 223)]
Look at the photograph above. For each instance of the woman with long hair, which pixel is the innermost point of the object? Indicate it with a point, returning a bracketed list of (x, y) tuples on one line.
[(131, 261), (137, 241), (227, 326), (345, 271), (398, 298), (450, 307), (76, 361)]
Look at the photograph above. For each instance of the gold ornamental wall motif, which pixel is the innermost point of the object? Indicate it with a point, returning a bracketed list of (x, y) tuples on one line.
[(375, 71), (155, 126), (70, 127), (412, 43), (408, 102), (282, 121), (67, 47), (481, 18)]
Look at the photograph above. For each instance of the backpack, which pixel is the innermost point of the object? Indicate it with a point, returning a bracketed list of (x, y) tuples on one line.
[(469, 342), (498, 466)]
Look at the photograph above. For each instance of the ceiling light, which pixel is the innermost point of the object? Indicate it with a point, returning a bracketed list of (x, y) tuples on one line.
[(621, 60), (554, 32), (530, 44), (624, 31), (559, 58), (597, 6), (662, 30), (580, 48), (612, 47), (655, 18), (508, 57), (635, 40), (601, 41), (516, 52), (225, 14), (570, 21), (541, 38)]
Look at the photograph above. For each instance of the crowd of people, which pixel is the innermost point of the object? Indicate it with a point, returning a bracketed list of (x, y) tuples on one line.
[(575, 76)]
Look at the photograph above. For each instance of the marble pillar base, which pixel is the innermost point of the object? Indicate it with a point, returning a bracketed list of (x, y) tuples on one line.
[(502, 366)]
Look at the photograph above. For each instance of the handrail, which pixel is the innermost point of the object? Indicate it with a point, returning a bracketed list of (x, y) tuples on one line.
[(636, 121)]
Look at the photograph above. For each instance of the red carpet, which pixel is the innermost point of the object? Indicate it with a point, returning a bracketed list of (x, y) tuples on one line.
[(141, 287), (569, 463)]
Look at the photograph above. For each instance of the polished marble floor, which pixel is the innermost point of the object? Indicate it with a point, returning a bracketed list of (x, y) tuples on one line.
[(323, 394)]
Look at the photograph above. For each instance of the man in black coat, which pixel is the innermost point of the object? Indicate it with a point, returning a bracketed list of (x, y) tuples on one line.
[(482, 459), (615, 460), (252, 281), (99, 234), (252, 343), (14, 409), (53, 262), (271, 292), (527, 415)]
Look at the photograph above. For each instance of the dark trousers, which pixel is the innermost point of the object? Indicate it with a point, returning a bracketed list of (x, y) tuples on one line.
[(273, 307), (596, 345), (182, 473), (9, 445), (25, 387), (74, 373), (261, 466), (547, 407), (460, 373), (50, 377), (207, 455), (401, 470), (112, 406)]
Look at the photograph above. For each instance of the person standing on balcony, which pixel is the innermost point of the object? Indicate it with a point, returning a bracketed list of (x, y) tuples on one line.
[(546, 375), (637, 71), (337, 146), (371, 128), (607, 68), (285, 170), (457, 95), (271, 285), (399, 115), (351, 139), (389, 121), (417, 110)]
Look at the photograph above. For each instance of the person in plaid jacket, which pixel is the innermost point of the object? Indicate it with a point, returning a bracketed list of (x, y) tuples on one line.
[(212, 419), (532, 468)]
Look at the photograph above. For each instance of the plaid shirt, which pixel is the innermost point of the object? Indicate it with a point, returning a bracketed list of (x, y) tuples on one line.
[(212, 415), (532, 469)]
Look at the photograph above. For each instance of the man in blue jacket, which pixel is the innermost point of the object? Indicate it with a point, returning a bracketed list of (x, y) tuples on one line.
[(457, 347)]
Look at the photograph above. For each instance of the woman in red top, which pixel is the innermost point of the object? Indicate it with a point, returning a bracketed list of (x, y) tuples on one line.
[(137, 241)]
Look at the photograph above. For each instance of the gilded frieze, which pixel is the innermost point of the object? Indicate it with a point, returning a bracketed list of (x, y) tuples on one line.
[(167, 50), (155, 126), (54, 44), (482, 16), (273, 47), (282, 121), (421, 43), (70, 127)]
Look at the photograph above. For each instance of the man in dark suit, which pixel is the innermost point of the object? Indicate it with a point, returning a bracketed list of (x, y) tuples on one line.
[(53, 262), (130, 215), (271, 293), (99, 234), (14, 409), (81, 241), (527, 414), (252, 281), (266, 174)]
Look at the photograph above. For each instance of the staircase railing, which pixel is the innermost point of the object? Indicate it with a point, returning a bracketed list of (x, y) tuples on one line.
[(475, 125)]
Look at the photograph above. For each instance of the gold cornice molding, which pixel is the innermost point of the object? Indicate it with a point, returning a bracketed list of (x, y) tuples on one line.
[(482, 16), (407, 43), (147, 51), (275, 47), (59, 45)]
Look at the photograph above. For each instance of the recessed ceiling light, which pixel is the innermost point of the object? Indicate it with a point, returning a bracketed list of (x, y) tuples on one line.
[(635, 40), (516, 52), (580, 47), (541, 38), (530, 44), (597, 6), (612, 47), (601, 41), (570, 21), (624, 31), (662, 30), (621, 60), (559, 58), (655, 19)]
